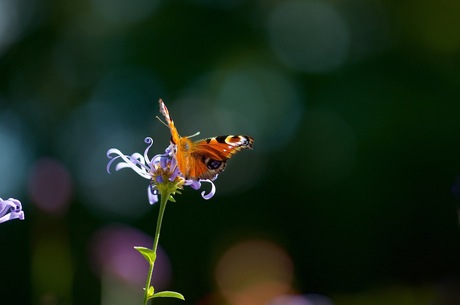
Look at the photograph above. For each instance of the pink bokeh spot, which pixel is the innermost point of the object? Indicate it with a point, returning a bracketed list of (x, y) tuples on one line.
[(50, 186), (112, 252)]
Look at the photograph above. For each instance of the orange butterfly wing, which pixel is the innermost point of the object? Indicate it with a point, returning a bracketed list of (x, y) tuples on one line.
[(204, 159), (209, 156)]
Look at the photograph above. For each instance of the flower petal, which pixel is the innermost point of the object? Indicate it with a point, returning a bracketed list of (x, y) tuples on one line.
[(175, 174), (149, 141), (194, 184), (152, 194), (10, 209), (136, 162), (211, 192), (156, 170)]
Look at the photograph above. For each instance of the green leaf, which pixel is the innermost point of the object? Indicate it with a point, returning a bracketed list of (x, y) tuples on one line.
[(171, 198), (168, 294), (151, 292), (147, 253)]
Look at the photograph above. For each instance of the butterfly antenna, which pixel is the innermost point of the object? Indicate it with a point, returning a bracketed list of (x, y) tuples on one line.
[(159, 119), (194, 135)]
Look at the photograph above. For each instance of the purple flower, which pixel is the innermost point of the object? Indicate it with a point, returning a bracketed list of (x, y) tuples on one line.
[(161, 170), (10, 209)]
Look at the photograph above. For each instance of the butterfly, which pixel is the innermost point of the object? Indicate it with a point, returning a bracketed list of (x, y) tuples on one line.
[(206, 158)]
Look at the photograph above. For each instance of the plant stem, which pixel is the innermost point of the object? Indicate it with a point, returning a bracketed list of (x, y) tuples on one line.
[(163, 201)]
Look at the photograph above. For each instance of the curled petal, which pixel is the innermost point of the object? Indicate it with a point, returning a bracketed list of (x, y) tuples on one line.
[(170, 149), (149, 141), (158, 169), (211, 192), (194, 184), (10, 209), (136, 162), (109, 155), (135, 159), (152, 194)]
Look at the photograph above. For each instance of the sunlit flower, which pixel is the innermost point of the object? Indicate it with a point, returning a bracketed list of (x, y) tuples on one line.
[(10, 209), (161, 170)]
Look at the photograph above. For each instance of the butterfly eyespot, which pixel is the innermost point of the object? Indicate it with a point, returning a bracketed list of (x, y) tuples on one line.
[(213, 164), (206, 158)]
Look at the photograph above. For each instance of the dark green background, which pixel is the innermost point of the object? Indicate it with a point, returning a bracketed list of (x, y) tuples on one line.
[(355, 214)]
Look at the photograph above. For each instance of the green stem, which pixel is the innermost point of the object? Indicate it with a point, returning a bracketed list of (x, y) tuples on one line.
[(163, 200)]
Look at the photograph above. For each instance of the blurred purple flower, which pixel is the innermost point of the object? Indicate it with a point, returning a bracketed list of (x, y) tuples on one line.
[(10, 209), (160, 170)]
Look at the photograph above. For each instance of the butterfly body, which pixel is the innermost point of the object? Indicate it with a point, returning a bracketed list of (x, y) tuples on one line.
[(206, 158)]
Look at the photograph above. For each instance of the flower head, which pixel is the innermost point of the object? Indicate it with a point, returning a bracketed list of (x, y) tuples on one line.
[(161, 170), (10, 209)]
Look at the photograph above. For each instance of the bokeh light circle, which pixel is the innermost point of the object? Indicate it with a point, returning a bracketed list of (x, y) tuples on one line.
[(112, 251), (15, 156), (270, 101), (250, 97), (254, 272), (14, 17), (372, 39), (435, 25), (309, 35), (50, 186), (307, 299), (119, 114)]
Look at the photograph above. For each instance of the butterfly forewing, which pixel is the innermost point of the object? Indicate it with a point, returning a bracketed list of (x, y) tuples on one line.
[(214, 153), (223, 148), (175, 137), (204, 159)]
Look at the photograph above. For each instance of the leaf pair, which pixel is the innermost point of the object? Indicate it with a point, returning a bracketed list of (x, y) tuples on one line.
[(150, 256)]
